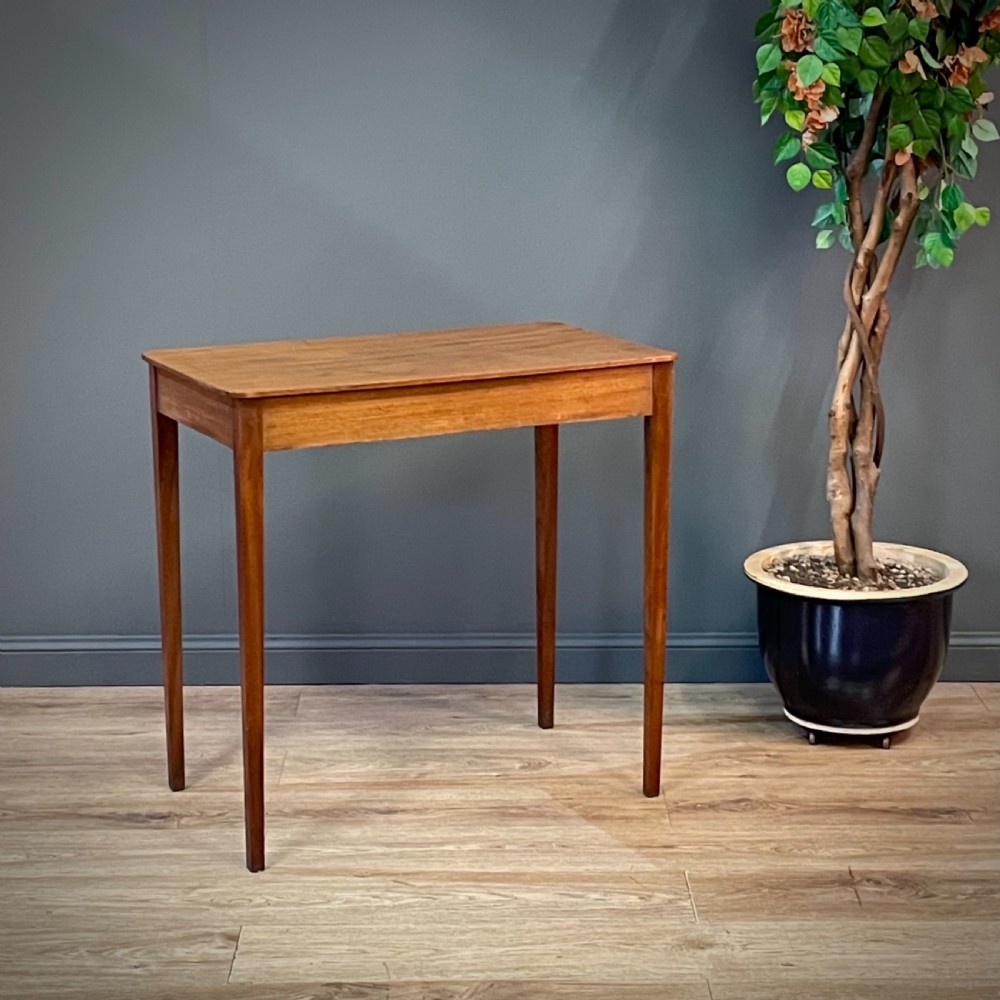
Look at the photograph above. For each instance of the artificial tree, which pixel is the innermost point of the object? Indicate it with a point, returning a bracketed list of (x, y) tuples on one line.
[(885, 105)]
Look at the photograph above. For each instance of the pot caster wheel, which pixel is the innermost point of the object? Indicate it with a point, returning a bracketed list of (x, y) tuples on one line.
[(812, 737), (886, 742)]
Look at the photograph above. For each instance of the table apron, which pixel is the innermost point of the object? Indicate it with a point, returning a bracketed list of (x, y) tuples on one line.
[(450, 408), (194, 406)]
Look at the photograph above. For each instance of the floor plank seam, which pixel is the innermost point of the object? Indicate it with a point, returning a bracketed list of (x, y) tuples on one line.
[(694, 908), (982, 701), (666, 811), (232, 963), (482, 871)]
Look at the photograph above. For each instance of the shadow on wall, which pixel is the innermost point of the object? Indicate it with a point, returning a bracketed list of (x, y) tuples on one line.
[(700, 278)]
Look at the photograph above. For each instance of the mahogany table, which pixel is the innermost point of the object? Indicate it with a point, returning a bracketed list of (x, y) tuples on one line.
[(262, 397)]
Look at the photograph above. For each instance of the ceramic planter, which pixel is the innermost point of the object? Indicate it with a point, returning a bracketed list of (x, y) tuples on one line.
[(854, 662)]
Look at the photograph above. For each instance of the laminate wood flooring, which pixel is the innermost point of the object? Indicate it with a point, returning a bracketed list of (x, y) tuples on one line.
[(431, 843)]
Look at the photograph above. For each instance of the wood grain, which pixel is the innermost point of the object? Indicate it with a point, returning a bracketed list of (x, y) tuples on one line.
[(382, 361), (656, 538), (432, 843), (301, 394), (391, 414), (546, 544), (248, 473), (194, 406), (166, 488), (438, 945)]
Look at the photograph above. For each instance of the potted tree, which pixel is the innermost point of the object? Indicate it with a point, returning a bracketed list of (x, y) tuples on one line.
[(884, 107)]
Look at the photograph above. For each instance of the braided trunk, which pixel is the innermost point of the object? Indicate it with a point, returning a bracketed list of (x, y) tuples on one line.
[(857, 419)]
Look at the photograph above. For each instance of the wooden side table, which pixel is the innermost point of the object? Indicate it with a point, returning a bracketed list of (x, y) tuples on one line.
[(262, 397)]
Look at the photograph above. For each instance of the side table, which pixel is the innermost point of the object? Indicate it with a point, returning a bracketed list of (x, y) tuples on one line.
[(262, 397)]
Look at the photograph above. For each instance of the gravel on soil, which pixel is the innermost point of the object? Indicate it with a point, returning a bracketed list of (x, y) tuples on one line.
[(821, 571)]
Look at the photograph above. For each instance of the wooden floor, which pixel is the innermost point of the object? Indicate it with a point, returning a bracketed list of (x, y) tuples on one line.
[(432, 843)]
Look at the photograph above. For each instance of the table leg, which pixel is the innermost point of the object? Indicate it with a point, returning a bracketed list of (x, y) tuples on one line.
[(656, 520), (168, 545), (248, 467), (546, 518)]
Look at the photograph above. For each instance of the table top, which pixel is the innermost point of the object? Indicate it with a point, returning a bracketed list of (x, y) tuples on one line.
[(389, 360)]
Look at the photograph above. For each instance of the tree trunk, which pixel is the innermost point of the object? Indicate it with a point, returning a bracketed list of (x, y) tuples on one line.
[(857, 424)]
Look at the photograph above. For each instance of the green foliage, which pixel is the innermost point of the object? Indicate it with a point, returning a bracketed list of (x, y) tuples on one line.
[(798, 176), (822, 65)]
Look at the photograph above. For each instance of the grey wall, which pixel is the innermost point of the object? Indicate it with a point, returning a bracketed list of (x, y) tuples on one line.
[(200, 172)]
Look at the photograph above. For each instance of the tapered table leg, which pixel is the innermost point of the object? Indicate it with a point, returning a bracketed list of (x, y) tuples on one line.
[(248, 467), (656, 520), (546, 518), (168, 544)]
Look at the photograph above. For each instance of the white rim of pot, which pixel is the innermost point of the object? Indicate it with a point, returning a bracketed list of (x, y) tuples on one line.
[(952, 574)]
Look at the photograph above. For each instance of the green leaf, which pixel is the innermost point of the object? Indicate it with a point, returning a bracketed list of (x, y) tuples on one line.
[(795, 120), (874, 52), (965, 216), (823, 180), (850, 38), (868, 80), (917, 29), (895, 26), (850, 67), (829, 49), (824, 239), (765, 26), (939, 254), (982, 216), (836, 13), (954, 125), (822, 154), (831, 74), (872, 17), (932, 97), (787, 146), (985, 131), (824, 214), (768, 105), (926, 124), (965, 166), (768, 57), (904, 107), (928, 58), (798, 176), (921, 148), (969, 147), (809, 70), (951, 197), (959, 99), (900, 136)]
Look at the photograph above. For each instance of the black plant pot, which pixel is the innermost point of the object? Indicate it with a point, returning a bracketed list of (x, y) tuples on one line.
[(853, 662)]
